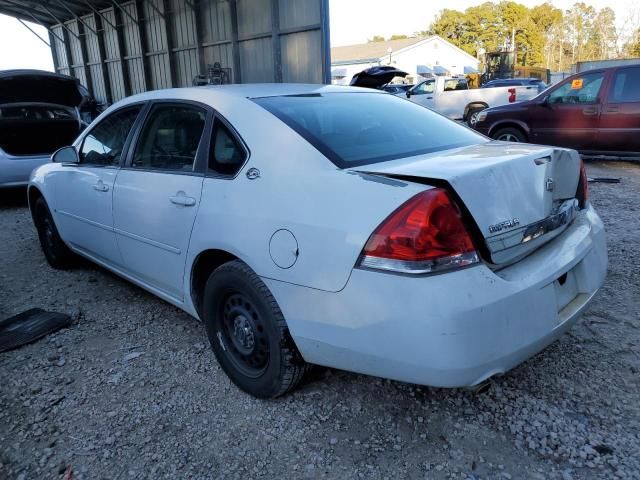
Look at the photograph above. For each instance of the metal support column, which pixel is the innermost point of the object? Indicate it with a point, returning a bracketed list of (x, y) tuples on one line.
[(276, 46), (144, 44), (196, 8), (326, 42), (84, 58), (102, 53), (117, 15), (235, 45), (54, 52), (168, 30)]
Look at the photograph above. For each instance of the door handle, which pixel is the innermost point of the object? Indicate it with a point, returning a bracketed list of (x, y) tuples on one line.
[(589, 112), (429, 98), (180, 198), (100, 186), (611, 109)]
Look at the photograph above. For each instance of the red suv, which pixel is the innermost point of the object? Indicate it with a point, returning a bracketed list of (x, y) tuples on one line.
[(596, 112)]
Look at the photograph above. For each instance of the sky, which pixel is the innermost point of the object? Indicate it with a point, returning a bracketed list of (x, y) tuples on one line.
[(355, 21), (351, 21)]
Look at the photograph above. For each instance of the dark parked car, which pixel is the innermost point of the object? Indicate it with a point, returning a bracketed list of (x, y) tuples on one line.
[(515, 82), (596, 112)]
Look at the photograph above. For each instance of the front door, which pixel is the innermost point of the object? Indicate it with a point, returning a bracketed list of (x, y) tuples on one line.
[(422, 94), (156, 196), (84, 191), (620, 120), (570, 117)]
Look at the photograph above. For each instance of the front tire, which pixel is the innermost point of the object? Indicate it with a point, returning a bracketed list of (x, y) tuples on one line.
[(472, 115), (510, 135), (55, 250), (248, 333)]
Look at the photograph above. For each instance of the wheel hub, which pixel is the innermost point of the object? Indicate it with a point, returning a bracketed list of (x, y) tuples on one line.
[(243, 334)]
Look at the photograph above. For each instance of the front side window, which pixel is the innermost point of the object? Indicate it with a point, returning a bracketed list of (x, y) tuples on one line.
[(626, 86), (226, 156), (579, 90), (424, 87), (169, 138), (105, 142), (353, 129)]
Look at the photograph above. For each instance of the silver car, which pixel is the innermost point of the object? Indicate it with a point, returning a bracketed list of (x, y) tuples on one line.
[(39, 113)]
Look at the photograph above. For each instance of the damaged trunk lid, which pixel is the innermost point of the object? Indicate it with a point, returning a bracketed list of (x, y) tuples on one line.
[(34, 86), (519, 196)]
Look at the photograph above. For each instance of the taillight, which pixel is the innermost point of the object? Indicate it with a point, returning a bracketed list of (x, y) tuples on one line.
[(426, 234), (512, 95), (583, 187)]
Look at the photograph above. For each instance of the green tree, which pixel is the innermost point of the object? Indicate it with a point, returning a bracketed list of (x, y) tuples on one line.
[(632, 48), (605, 37), (397, 37), (376, 38)]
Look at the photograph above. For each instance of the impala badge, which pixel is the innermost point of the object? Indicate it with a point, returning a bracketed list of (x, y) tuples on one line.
[(253, 173), (498, 227), (550, 184)]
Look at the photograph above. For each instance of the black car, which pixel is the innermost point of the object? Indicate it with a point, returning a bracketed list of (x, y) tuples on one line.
[(516, 82), (397, 88)]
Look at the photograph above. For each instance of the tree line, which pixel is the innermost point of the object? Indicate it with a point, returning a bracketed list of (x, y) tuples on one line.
[(544, 35)]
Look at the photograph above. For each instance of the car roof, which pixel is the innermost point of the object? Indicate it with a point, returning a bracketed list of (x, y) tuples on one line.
[(245, 90)]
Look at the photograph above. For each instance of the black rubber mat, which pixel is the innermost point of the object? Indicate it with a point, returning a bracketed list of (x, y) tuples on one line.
[(29, 326)]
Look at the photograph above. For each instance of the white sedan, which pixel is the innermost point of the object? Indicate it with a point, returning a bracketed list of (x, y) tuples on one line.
[(338, 226)]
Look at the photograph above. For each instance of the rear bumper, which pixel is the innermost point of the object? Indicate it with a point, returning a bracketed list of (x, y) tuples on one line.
[(454, 329), (15, 171)]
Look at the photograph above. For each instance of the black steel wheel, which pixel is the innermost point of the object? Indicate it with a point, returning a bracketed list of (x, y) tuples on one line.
[(55, 251), (248, 333), (245, 334)]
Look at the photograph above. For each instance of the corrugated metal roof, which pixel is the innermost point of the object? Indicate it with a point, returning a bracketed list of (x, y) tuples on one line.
[(366, 51), (48, 12)]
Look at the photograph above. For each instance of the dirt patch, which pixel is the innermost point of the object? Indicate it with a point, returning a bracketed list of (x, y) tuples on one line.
[(132, 390)]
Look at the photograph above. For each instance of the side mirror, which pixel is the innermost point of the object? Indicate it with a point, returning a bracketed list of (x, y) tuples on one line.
[(544, 102), (65, 155), (408, 93)]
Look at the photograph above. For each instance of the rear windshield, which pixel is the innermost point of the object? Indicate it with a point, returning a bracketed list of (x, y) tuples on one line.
[(353, 129)]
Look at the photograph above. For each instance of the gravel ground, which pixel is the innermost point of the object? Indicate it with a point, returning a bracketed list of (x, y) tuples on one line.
[(132, 389)]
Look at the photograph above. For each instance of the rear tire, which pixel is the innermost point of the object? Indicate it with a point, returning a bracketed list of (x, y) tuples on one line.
[(510, 134), (55, 250), (248, 333)]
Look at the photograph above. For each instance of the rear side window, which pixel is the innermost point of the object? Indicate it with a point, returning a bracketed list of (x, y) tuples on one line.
[(170, 137), (104, 143), (626, 86), (353, 129), (226, 155)]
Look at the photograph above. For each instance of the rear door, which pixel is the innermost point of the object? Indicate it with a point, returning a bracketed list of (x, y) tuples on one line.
[(571, 116), (157, 194), (620, 118), (84, 191)]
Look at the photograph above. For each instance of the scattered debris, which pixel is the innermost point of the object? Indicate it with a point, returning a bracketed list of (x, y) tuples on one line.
[(29, 326), (603, 180)]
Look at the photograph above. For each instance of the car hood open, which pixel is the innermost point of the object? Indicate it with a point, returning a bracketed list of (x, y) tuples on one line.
[(376, 77), (36, 86)]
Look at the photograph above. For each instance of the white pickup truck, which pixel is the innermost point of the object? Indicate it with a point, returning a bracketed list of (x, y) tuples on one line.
[(453, 98)]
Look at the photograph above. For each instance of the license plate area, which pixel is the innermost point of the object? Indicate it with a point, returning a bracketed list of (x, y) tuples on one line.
[(566, 289)]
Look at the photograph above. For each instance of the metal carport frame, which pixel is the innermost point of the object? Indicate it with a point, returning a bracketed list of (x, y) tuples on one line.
[(117, 48)]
